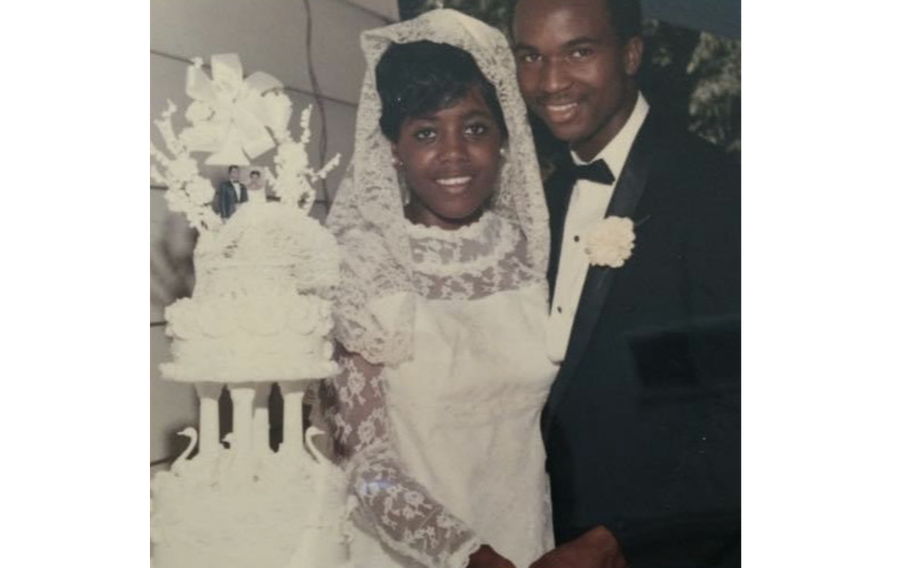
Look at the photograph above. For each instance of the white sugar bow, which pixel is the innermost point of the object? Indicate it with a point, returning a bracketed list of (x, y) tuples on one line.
[(231, 116)]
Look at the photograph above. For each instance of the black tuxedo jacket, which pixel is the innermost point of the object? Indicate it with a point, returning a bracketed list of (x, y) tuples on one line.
[(226, 198), (642, 425)]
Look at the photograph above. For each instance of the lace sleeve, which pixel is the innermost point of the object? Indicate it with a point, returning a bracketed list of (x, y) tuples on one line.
[(390, 504)]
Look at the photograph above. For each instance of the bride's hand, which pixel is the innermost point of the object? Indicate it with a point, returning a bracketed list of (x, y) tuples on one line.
[(486, 557)]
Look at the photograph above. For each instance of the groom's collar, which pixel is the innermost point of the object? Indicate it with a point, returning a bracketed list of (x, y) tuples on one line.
[(617, 150)]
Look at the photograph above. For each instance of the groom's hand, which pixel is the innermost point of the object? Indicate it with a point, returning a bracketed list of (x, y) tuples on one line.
[(486, 557), (597, 548)]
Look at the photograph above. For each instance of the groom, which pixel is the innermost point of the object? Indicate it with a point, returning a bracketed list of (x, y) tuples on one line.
[(642, 425), (230, 193)]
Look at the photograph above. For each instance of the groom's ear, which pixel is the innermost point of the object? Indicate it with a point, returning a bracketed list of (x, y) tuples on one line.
[(634, 50)]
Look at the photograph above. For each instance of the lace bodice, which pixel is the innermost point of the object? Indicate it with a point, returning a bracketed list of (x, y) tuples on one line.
[(470, 263)]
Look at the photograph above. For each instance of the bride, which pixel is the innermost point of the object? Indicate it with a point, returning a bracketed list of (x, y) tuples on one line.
[(444, 236)]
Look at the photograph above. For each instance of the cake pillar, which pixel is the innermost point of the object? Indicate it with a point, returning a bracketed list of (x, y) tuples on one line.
[(261, 418), (325, 547), (317, 423), (292, 432), (242, 398), (209, 441)]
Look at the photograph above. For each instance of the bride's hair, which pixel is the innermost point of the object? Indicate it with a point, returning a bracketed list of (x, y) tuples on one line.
[(422, 77)]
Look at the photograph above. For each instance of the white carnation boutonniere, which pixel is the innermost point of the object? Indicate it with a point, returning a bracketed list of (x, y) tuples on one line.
[(610, 241)]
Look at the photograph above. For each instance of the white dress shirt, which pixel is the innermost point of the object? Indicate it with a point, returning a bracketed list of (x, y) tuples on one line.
[(587, 205)]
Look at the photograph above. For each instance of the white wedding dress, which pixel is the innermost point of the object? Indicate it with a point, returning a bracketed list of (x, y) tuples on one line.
[(446, 447), (444, 367)]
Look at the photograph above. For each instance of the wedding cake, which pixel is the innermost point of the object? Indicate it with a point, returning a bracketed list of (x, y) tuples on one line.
[(259, 315)]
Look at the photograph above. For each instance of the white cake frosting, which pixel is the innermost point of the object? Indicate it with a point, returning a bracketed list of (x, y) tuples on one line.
[(259, 314), (281, 510), (255, 314)]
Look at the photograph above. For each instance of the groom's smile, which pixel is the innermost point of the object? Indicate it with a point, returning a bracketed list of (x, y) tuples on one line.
[(561, 113)]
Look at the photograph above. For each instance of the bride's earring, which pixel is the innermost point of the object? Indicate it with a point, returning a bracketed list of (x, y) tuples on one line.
[(502, 152), (396, 163)]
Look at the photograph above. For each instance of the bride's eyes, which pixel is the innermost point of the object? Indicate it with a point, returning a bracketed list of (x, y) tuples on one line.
[(424, 133), (474, 129)]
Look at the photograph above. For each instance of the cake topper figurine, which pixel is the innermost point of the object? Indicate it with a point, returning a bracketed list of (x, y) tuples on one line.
[(231, 193)]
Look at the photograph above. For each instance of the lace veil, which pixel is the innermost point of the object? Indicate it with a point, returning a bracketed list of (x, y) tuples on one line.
[(376, 301)]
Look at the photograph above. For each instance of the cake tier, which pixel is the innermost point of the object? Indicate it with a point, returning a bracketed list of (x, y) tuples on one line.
[(288, 514), (249, 338)]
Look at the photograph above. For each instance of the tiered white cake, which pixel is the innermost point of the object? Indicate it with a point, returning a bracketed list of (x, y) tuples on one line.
[(258, 316), (255, 314)]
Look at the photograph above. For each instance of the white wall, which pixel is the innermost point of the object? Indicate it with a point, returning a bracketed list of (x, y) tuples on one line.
[(384, 8), (269, 36)]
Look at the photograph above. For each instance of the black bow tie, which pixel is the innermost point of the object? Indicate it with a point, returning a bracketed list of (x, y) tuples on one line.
[(597, 171)]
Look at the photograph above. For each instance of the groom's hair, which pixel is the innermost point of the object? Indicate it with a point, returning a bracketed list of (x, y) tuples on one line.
[(624, 15), (422, 77)]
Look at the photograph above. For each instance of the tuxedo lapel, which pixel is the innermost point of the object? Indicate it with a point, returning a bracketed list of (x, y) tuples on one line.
[(628, 192)]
